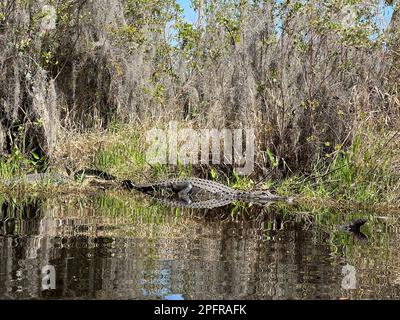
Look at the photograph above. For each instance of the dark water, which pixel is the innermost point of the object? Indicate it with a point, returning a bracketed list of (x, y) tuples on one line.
[(106, 247)]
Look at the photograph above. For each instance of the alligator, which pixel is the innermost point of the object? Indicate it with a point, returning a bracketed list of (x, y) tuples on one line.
[(188, 189), (36, 178), (57, 178), (202, 204)]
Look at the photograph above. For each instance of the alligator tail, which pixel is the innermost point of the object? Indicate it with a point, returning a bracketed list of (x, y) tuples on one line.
[(262, 196)]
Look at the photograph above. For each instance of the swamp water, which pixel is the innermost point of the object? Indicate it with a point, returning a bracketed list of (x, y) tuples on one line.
[(119, 247)]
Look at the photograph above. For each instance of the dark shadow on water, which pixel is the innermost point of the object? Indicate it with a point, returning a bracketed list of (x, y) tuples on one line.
[(354, 229), (360, 236), (112, 248)]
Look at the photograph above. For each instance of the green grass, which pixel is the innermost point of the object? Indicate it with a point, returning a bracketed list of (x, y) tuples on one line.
[(17, 163), (362, 173), (125, 157)]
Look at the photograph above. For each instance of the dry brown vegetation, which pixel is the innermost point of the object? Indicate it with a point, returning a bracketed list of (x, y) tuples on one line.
[(309, 81)]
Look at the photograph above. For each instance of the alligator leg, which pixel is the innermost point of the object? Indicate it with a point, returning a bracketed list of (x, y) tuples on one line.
[(183, 194)]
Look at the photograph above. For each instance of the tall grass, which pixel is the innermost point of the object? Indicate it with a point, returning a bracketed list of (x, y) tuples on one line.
[(321, 96), (18, 163), (365, 172)]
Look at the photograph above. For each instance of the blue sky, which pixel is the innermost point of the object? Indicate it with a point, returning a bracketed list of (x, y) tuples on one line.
[(387, 12), (191, 16)]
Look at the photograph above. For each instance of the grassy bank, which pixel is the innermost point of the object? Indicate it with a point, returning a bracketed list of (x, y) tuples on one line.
[(319, 87), (364, 173)]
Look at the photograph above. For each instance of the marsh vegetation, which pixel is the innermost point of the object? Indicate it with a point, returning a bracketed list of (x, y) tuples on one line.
[(81, 81)]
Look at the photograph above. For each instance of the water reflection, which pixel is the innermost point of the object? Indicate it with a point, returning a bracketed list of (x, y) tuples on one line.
[(114, 248)]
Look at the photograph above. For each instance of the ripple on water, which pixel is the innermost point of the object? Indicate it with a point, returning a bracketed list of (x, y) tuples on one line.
[(113, 248)]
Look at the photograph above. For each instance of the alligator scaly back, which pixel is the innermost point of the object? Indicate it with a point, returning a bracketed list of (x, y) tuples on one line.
[(262, 196), (181, 183), (36, 178), (195, 186)]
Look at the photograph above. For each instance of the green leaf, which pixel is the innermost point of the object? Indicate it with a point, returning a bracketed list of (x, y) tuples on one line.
[(35, 155)]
